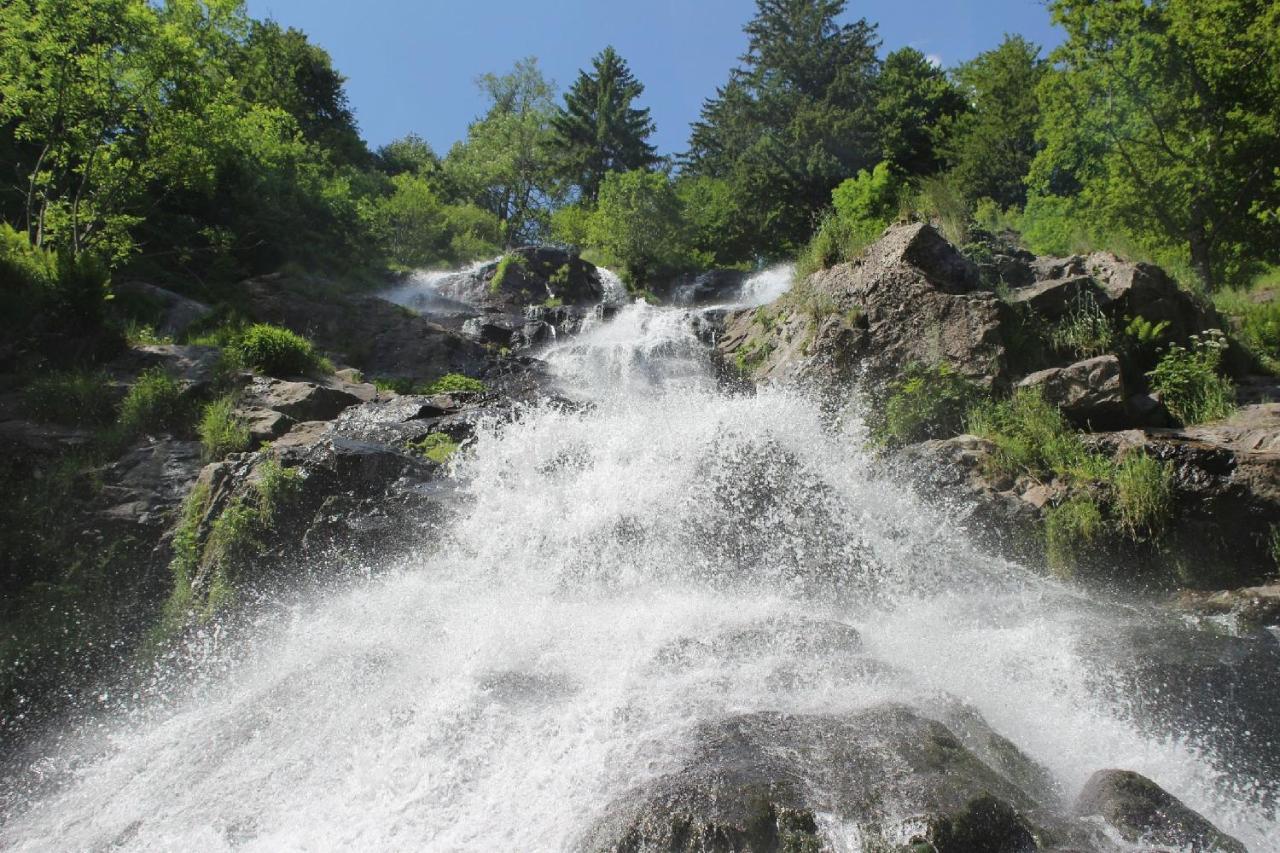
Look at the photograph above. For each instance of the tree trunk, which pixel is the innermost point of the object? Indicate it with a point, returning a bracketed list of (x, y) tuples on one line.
[(1201, 252)]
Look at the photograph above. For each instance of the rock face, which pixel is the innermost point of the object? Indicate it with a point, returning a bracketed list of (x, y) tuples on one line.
[(1144, 813), (1226, 496), (195, 367), (1089, 392), (706, 288), (174, 313), (372, 334), (760, 782), (911, 298)]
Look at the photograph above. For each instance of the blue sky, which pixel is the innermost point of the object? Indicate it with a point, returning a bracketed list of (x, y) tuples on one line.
[(411, 64)]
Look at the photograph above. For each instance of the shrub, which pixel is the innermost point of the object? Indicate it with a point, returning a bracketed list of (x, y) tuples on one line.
[(1189, 382), (452, 382), (74, 397), (436, 446), (154, 402), (863, 206), (221, 432), (927, 402), (1143, 488), (278, 351)]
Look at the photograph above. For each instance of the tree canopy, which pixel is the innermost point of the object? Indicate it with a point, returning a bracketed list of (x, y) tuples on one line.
[(598, 130)]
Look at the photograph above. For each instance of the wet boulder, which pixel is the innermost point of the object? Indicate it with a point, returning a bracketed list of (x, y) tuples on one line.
[(1089, 392), (706, 288), (772, 782), (1144, 813)]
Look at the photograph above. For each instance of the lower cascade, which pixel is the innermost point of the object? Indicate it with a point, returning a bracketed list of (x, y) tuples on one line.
[(667, 615)]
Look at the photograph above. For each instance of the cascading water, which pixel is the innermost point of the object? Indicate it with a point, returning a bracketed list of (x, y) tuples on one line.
[(499, 690)]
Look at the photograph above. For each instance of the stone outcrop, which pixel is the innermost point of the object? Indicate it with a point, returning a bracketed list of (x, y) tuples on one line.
[(1089, 392), (1226, 496), (376, 336), (911, 298), (173, 313), (764, 781), (1144, 813)]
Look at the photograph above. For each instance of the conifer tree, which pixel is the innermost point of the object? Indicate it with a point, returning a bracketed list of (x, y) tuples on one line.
[(598, 130)]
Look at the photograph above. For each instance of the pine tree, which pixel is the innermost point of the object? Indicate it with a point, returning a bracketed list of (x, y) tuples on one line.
[(598, 130), (795, 119)]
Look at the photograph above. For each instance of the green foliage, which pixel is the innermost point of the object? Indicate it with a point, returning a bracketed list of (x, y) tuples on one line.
[(1189, 381), (1033, 438), (508, 165), (925, 402), (154, 403), (598, 131), (74, 397), (278, 351), (236, 536), (1255, 315), (436, 446), (417, 230), (505, 263), (1150, 114), (916, 107), (455, 382), (796, 118), (221, 432), (638, 226), (1143, 494), (863, 206), (1070, 529), (992, 145), (1145, 333), (1084, 332), (218, 143), (941, 201), (1053, 225)]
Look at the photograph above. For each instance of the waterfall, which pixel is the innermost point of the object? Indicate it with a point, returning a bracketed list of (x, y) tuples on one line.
[(549, 649)]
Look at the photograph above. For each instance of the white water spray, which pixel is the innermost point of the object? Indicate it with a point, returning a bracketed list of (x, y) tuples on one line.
[(501, 689)]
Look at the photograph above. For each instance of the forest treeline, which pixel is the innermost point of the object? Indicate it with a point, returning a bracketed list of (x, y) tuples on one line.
[(187, 142)]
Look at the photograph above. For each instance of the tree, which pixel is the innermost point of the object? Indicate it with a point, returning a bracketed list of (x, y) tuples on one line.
[(916, 106), (795, 118), (507, 164), (416, 229), (281, 68), (637, 224), (598, 130), (1167, 113), (409, 154), (994, 143)]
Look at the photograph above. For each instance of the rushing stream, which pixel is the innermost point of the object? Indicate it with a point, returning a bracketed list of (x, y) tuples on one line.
[(503, 687)]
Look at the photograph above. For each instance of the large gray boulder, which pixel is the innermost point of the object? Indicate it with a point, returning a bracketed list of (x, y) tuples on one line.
[(1089, 392), (1144, 813), (911, 298), (769, 781), (173, 312)]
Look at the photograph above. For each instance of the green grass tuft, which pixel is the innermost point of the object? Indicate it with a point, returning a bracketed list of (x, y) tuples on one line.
[(436, 446), (221, 432), (927, 402), (454, 382), (154, 403), (73, 397), (278, 351)]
